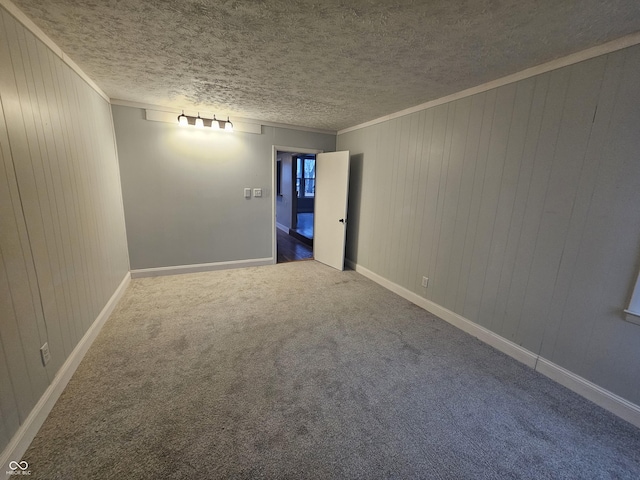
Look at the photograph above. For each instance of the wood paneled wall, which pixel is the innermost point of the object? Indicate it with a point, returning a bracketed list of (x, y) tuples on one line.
[(522, 206), (63, 248)]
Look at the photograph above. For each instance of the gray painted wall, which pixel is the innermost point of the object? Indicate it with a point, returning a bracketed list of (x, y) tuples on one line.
[(63, 248), (183, 189), (284, 201), (521, 204)]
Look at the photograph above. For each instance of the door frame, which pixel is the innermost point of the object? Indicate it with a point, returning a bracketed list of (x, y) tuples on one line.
[(274, 170)]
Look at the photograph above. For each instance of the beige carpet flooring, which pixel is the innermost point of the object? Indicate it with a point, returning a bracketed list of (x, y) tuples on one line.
[(297, 371)]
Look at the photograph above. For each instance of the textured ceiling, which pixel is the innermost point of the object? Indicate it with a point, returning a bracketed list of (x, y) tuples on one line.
[(326, 64)]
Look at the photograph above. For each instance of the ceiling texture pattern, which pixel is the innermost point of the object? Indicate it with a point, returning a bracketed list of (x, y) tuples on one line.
[(327, 64)]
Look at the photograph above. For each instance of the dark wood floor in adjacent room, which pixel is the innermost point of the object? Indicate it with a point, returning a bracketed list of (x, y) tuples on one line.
[(291, 249)]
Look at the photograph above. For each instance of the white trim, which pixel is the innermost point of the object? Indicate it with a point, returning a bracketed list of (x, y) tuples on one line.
[(295, 127), (634, 304), (280, 148), (632, 317), (274, 158), (598, 395), (282, 227), (40, 35), (606, 48), (199, 267), (609, 401), (28, 430), (164, 108), (487, 336)]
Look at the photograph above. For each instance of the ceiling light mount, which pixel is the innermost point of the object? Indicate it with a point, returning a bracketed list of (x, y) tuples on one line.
[(202, 122)]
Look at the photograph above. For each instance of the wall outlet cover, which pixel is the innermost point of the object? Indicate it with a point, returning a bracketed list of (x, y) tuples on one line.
[(45, 354)]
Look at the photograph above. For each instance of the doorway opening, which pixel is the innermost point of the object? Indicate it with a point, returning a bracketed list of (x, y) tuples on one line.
[(294, 203), (303, 198)]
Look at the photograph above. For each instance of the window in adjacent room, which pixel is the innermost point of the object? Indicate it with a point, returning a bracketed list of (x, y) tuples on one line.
[(306, 176)]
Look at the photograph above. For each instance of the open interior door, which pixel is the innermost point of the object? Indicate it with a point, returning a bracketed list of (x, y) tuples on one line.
[(330, 217)]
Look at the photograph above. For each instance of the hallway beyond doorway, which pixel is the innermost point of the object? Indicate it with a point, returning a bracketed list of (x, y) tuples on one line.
[(290, 249), (304, 228)]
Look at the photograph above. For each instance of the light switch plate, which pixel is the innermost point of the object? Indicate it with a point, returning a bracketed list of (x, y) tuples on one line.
[(247, 193), (257, 192)]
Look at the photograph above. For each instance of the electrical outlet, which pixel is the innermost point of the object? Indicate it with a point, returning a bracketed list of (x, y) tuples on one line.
[(425, 282), (257, 192), (45, 354)]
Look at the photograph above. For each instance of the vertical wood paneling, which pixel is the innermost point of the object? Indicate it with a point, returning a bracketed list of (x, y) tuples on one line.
[(60, 333), (371, 183), (72, 195), (11, 359), (40, 213), (62, 245), (434, 158), (63, 149), (55, 156), (611, 241), (426, 129), (507, 191), (409, 199), (476, 194), (520, 205), (399, 210), (500, 129), (411, 246), (469, 164), (575, 128), (568, 314), (441, 195), (19, 300), (382, 198), (27, 332), (545, 148), (455, 162), (389, 185), (9, 421), (527, 163)]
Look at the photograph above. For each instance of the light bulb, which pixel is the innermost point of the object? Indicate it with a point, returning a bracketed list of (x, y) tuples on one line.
[(228, 126), (214, 123), (183, 120), (199, 122)]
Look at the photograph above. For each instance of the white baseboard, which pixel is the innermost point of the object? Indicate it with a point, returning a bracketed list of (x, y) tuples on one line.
[(282, 227), (609, 401), (487, 336), (28, 430), (200, 267)]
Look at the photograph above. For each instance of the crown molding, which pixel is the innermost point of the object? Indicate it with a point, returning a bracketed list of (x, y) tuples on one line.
[(605, 48), (16, 13)]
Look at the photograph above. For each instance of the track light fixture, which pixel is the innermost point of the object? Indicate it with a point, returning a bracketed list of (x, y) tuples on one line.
[(201, 122)]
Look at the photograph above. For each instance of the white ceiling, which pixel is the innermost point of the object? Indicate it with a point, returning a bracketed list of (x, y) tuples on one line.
[(327, 64)]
